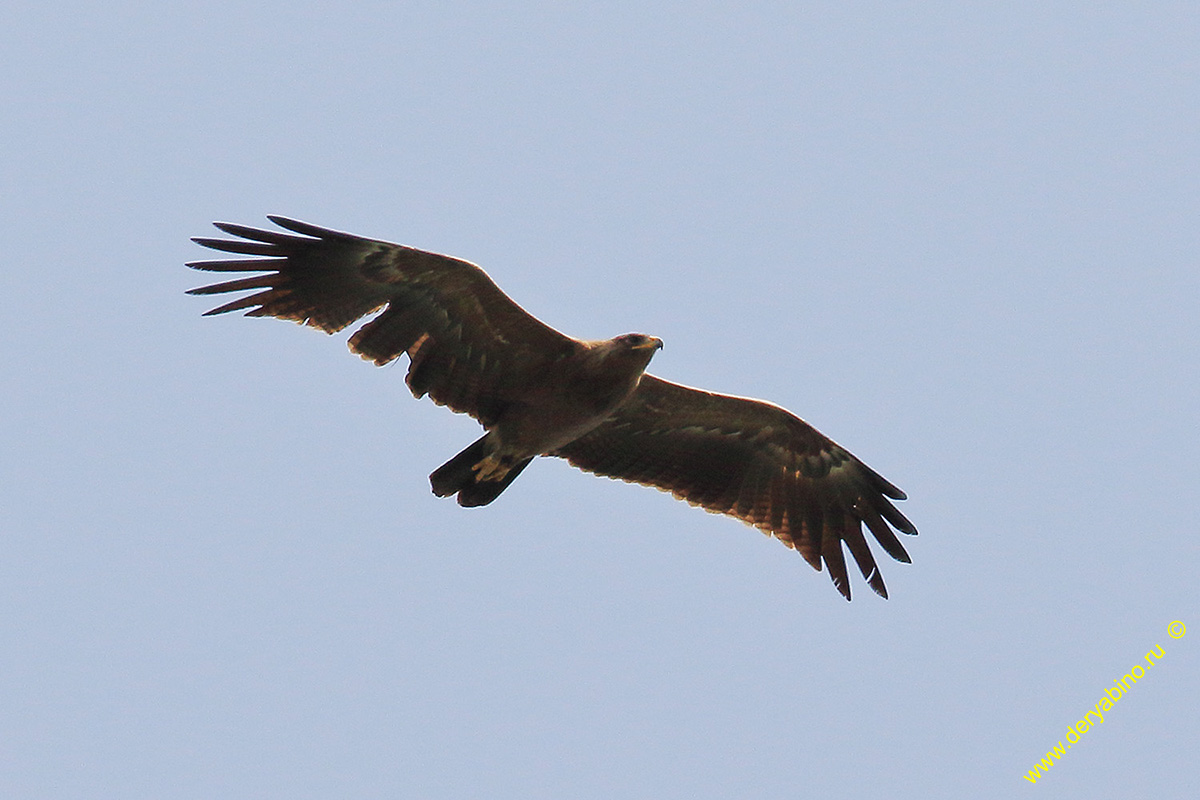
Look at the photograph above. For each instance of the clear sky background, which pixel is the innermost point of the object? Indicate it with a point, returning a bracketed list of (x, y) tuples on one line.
[(959, 238)]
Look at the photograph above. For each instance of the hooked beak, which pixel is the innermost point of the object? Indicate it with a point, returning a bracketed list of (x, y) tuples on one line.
[(651, 343)]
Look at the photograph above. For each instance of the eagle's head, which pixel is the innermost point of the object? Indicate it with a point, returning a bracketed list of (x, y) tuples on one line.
[(636, 348), (628, 353), (639, 341)]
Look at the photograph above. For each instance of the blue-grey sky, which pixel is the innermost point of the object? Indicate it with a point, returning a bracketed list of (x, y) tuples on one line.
[(959, 238)]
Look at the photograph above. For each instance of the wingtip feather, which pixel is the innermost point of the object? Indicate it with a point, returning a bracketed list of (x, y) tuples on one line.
[(308, 229)]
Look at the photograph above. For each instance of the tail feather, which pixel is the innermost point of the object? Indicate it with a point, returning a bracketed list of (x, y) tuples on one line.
[(458, 475), (480, 493)]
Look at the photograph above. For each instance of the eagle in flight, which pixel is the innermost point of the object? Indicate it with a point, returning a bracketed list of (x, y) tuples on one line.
[(538, 392)]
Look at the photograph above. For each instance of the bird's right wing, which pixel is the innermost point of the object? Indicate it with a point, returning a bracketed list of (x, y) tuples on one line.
[(470, 346)]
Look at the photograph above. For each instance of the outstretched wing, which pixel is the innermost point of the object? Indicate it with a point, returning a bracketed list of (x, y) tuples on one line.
[(755, 461), (470, 346)]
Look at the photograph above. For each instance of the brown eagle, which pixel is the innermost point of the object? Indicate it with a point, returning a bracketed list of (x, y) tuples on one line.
[(539, 392)]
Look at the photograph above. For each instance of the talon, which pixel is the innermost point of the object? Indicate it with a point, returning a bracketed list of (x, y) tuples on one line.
[(490, 469)]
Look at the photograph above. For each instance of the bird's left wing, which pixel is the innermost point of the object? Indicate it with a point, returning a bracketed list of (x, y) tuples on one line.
[(755, 461)]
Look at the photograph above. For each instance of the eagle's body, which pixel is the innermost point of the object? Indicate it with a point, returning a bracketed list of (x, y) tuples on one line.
[(539, 392), (575, 396)]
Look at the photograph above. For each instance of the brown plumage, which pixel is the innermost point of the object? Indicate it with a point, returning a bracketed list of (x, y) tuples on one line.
[(539, 392)]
